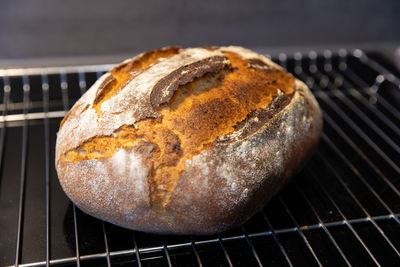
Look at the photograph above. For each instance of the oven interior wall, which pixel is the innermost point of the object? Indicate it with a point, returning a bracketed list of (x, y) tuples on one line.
[(47, 28)]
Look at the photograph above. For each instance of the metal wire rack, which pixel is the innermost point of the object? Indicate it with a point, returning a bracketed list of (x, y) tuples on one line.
[(343, 209)]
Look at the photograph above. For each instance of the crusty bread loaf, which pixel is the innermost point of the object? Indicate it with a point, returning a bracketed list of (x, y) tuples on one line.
[(186, 141)]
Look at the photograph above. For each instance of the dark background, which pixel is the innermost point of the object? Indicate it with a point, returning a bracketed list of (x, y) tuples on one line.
[(54, 28)]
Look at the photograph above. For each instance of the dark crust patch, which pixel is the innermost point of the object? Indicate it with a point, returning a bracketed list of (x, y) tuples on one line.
[(250, 125), (103, 88), (165, 88), (258, 64), (145, 149), (85, 108)]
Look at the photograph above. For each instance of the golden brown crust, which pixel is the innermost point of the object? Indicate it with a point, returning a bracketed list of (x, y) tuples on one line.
[(222, 125)]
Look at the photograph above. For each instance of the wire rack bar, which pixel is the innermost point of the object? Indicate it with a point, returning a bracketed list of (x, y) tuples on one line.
[(64, 90), (253, 250), (106, 244), (32, 116), (33, 104), (282, 58), (45, 92), (136, 250), (15, 72), (82, 82), (221, 243), (6, 99), (26, 89), (78, 261), (166, 254), (195, 252)]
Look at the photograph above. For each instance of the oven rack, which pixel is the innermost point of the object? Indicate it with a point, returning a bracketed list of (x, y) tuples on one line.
[(343, 209)]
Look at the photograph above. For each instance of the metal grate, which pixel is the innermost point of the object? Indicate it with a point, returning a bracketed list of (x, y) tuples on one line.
[(343, 209)]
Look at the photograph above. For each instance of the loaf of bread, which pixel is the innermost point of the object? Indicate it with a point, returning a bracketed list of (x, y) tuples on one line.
[(186, 141)]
